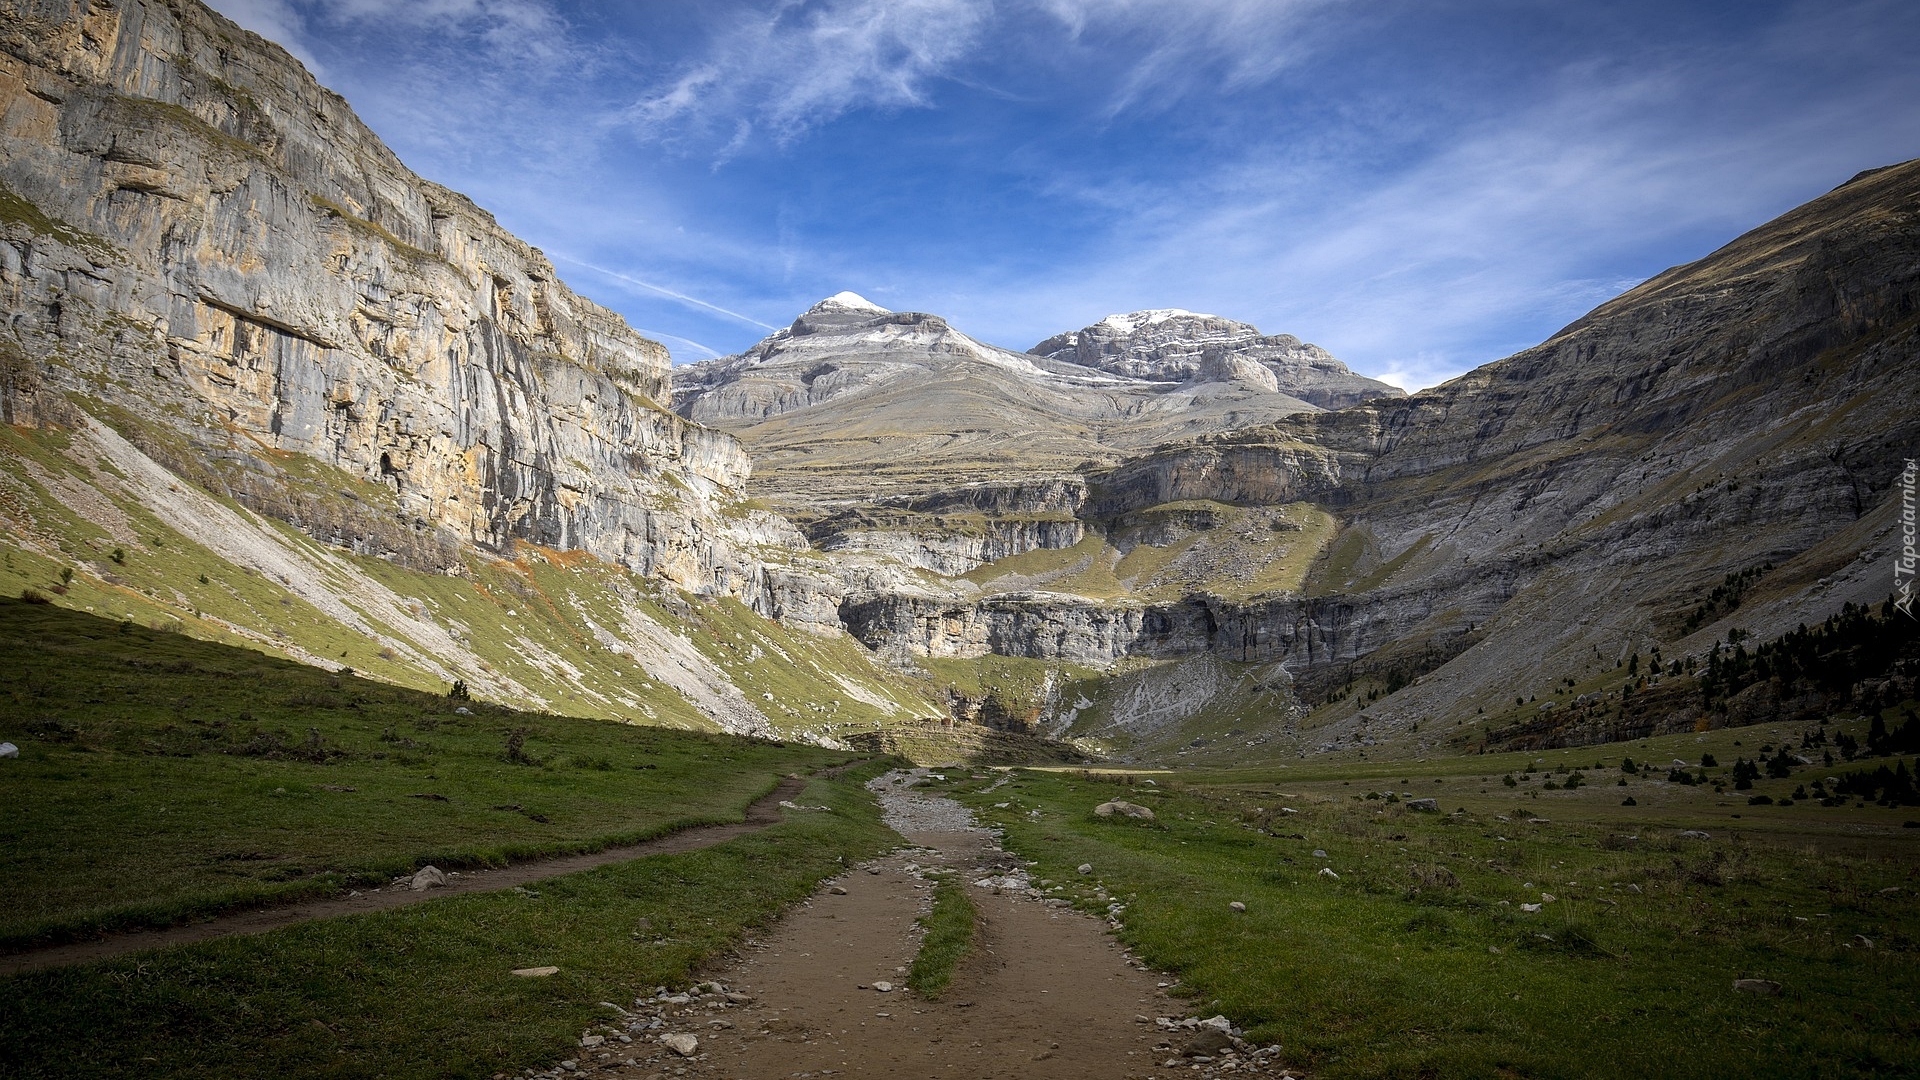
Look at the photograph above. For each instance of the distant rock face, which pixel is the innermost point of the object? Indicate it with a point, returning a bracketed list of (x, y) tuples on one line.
[(1171, 345), (841, 344), (203, 235), (854, 404)]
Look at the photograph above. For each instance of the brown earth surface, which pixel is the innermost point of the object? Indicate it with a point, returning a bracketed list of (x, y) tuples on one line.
[(1045, 994)]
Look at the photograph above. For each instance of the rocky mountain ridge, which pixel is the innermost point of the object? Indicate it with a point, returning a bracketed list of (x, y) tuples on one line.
[(853, 404), (1173, 345)]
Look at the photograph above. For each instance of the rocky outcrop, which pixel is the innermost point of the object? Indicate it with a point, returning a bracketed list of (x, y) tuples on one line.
[(944, 548), (1267, 470), (1056, 495), (1311, 636), (1171, 345), (196, 232)]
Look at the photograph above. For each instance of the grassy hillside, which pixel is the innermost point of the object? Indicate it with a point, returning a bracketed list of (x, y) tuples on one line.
[(91, 523), (162, 777), (1174, 550)]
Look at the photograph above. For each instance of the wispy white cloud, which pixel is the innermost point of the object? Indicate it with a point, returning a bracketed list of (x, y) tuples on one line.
[(707, 352), (1513, 226), (525, 28), (278, 22), (1414, 253), (1187, 45), (521, 28), (661, 290), (782, 72)]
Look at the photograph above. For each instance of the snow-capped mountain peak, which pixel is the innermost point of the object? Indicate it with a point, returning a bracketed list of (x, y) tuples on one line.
[(1133, 320), (848, 301)]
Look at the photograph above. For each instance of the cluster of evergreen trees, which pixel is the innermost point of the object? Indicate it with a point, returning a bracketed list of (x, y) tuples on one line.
[(1858, 643), (1893, 787), (1904, 739), (1724, 598)]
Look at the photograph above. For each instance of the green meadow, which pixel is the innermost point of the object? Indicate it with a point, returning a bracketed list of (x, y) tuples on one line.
[(1513, 933)]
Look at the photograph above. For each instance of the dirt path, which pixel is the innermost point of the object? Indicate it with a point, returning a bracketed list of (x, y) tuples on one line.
[(1045, 994), (761, 813)]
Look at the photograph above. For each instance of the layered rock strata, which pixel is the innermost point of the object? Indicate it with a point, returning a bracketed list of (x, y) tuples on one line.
[(199, 233)]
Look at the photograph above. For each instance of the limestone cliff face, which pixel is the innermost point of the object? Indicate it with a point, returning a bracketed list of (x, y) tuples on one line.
[(1559, 509), (198, 231), (944, 548)]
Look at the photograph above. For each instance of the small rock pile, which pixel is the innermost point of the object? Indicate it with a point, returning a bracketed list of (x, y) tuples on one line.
[(1213, 1046), (658, 1031)]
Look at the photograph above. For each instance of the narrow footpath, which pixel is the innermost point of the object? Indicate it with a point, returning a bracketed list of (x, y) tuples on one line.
[(761, 813), (1045, 994)]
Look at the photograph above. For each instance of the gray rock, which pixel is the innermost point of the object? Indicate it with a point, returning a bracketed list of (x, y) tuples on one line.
[(1124, 809), (1183, 346), (681, 1043), (883, 986), (1693, 834), (1762, 987), (1237, 905), (1206, 1041), (427, 877), (1085, 867), (1424, 806), (7, 750)]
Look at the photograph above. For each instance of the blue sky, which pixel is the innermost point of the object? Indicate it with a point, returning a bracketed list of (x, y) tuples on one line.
[(1420, 187)]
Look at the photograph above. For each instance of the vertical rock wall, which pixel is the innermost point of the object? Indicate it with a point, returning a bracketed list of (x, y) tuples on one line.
[(198, 231)]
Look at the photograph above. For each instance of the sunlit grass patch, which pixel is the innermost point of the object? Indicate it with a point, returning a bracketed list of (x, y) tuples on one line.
[(1415, 952)]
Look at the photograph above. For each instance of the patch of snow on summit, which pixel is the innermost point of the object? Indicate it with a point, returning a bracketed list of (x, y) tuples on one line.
[(1133, 320), (850, 301)]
